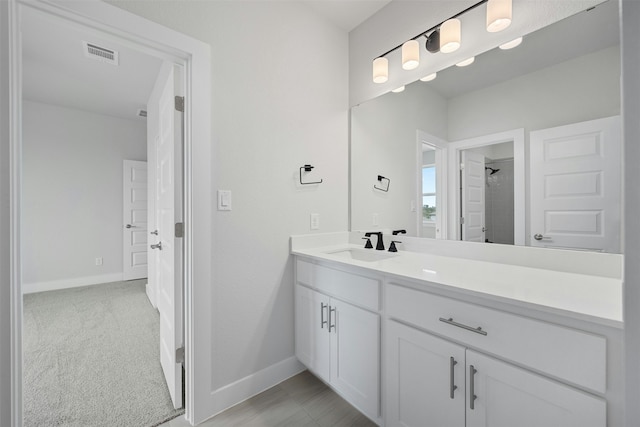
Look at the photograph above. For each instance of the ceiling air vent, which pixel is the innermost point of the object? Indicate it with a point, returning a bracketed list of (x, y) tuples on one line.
[(100, 53)]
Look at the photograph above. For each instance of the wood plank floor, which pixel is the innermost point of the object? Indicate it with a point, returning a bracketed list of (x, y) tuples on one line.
[(300, 401)]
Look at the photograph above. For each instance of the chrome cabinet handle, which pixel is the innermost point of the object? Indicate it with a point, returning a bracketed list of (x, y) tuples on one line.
[(452, 386), (472, 393), (541, 237), (158, 246), (332, 310), (155, 232), (450, 321), (322, 321)]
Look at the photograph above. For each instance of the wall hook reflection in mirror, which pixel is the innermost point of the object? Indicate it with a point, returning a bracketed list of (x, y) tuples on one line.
[(380, 179), (308, 168)]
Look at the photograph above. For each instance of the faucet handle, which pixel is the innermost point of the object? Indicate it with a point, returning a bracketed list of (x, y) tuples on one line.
[(396, 232), (392, 246), (367, 245)]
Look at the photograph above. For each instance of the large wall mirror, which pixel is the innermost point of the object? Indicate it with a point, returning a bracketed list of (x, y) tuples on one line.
[(521, 147)]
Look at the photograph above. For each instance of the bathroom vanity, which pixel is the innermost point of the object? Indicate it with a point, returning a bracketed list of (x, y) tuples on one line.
[(439, 335)]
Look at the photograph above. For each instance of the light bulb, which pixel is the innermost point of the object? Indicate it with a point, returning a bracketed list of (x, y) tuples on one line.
[(498, 15), (429, 77), (398, 90), (450, 36), (380, 70), (466, 62), (511, 44), (410, 55)]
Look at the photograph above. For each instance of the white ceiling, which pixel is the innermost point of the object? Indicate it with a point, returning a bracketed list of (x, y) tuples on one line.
[(55, 70)]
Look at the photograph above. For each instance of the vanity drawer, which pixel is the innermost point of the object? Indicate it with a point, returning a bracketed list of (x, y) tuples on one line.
[(360, 290), (565, 353)]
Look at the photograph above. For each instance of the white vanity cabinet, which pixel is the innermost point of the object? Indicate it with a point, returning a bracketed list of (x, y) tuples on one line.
[(335, 339), (432, 381)]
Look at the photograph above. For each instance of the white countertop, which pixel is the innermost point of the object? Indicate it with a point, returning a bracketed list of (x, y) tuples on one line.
[(590, 297)]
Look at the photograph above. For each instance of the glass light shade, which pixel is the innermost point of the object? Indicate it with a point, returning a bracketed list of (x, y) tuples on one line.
[(380, 70), (398, 90), (429, 77), (450, 36), (466, 62), (410, 55), (511, 44), (498, 15)]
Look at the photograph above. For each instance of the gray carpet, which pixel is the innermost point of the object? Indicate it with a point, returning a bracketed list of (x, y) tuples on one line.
[(91, 358)]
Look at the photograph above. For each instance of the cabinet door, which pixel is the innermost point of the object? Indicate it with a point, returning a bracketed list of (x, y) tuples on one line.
[(355, 356), (311, 331), (508, 396), (425, 379)]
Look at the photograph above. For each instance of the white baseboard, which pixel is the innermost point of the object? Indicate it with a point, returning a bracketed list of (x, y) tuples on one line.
[(29, 288), (256, 383)]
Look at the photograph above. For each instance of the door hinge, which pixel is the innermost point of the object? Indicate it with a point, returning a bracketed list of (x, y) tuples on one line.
[(180, 103), (461, 166), (461, 220), (179, 229), (180, 355)]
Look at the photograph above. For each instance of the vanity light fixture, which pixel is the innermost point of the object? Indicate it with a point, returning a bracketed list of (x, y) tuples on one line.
[(410, 55), (444, 37), (498, 15), (429, 77), (398, 89), (466, 62), (511, 44)]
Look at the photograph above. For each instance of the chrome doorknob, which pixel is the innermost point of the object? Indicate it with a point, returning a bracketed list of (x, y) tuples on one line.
[(541, 237), (130, 226), (154, 232), (158, 246)]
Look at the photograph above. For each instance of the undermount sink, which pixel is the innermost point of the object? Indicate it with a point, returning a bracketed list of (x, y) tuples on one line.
[(369, 255)]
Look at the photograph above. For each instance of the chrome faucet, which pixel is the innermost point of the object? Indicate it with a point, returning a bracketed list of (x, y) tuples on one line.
[(380, 243)]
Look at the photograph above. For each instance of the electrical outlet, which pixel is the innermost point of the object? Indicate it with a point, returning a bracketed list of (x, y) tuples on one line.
[(315, 221), (99, 261)]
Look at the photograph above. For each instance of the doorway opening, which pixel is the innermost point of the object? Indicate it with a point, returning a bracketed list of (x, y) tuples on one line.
[(167, 45)]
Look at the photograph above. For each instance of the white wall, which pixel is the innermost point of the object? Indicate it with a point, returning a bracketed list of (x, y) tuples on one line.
[(282, 105), (384, 142), (72, 194)]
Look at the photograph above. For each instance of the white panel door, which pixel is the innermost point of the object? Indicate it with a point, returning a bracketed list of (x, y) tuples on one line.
[(576, 186), (472, 196), (507, 396), (134, 216), (425, 379), (355, 355), (312, 339), (169, 212)]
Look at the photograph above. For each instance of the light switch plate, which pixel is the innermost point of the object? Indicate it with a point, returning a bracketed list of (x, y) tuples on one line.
[(224, 200), (315, 221)]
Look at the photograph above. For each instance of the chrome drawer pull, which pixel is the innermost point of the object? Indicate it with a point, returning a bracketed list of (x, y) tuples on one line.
[(332, 310), (472, 386), (452, 386), (322, 321), (450, 321)]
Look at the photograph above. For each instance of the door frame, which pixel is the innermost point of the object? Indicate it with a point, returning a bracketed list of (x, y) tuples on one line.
[(155, 39), (440, 147), (519, 184)]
